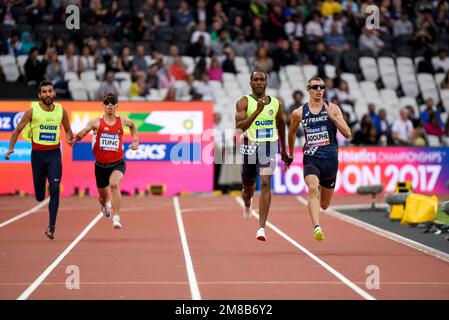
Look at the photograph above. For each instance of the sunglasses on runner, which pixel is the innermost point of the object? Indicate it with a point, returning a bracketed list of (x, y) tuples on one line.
[(110, 100), (317, 86)]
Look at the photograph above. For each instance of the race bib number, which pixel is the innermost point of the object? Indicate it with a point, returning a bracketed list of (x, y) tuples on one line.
[(47, 136), (264, 133), (318, 138), (109, 142)]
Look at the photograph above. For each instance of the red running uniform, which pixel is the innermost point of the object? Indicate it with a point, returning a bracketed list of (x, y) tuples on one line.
[(108, 142)]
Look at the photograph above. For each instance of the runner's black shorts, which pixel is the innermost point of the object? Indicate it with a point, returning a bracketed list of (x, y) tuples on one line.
[(324, 168), (256, 156), (103, 172)]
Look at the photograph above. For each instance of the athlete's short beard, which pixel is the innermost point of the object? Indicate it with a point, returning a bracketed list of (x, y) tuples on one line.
[(47, 104)]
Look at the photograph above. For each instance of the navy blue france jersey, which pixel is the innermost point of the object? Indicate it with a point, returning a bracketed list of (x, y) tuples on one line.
[(320, 133)]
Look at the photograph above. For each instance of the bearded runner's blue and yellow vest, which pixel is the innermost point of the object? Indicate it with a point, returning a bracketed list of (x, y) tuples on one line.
[(264, 127), (45, 127)]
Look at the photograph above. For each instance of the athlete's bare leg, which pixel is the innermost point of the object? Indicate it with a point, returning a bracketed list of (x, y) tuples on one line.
[(325, 197), (114, 184), (103, 196), (265, 198), (313, 198), (248, 193)]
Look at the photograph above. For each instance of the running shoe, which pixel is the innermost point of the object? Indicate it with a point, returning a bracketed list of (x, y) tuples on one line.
[(50, 232), (318, 233), (107, 210), (260, 235), (116, 222), (247, 212)]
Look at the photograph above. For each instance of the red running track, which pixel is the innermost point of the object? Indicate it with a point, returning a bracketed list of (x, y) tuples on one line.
[(147, 260)]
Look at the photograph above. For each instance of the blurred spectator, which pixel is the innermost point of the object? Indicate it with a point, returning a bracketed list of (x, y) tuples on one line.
[(445, 83), (218, 15), (201, 31), (333, 21), (428, 111), (425, 65), (46, 44), (336, 44), (441, 64), (218, 45), (375, 119), (110, 64), (34, 69), (330, 7), (434, 127), (241, 47), (162, 15), (27, 42), (152, 77), (170, 95), (346, 100), (294, 27), (298, 96), (236, 27), (256, 31), (314, 27), (179, 69), (229, 64), (8, 13), (201, 15), (183, 16), (258, 8), (166, 80), (204, 88), (320, 59), (69, 61), (200, 68), (370, 41), (350, 6), (124, 63), (275, 24), (299, 57), (402, 129), (362, 135), (12, 46), (54, 71), (412, 117), (60, 46), (103, 49), (139, 62), (173, 53), (215, 70), (385, 128), (139, 87), (198, 48), (262, 61), (403, 26), (108, 86), (86, 60)]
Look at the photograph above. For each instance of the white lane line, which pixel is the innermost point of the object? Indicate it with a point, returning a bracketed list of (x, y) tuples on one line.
[(145, 283), (55, 263), (194, 289), (26, 213), (381, 232), (337, 274)]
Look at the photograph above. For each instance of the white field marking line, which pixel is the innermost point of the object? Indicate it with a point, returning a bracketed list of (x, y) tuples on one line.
[(193, 284), (203, 209), (337, 274), (381, 232), (359, 206), (26, 213), (93, 283), (55, 263)]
